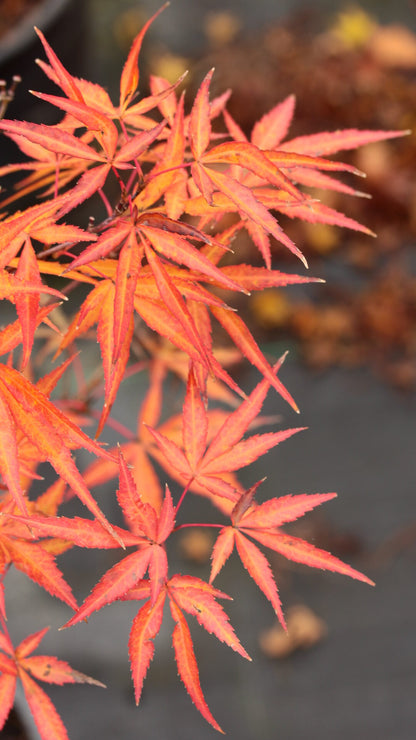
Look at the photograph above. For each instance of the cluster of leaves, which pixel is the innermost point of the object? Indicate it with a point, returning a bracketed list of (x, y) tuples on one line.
[(368, 318), (151, 268)]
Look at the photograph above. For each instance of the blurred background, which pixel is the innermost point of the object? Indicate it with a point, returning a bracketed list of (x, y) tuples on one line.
[(347, 669)]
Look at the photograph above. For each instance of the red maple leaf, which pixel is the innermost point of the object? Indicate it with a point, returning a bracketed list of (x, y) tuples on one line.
[(149, 531), (152, 265), (262, 522), (208, 465), (185, 594), (20, 664), (17, 546), (24, 407)]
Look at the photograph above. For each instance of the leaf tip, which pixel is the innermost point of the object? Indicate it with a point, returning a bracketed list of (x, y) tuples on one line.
[(358, 173), (282, 621)]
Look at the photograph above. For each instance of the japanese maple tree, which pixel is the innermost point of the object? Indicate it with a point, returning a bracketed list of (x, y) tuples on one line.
[(155, 289)]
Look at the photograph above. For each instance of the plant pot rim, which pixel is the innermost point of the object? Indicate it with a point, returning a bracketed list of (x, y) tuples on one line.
[(22, 35)]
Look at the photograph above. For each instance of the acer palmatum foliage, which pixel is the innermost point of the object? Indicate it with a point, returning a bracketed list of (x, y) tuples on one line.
[(151, 269)]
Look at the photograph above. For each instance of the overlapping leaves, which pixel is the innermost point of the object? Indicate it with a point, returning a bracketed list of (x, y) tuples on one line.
[(155, 281)]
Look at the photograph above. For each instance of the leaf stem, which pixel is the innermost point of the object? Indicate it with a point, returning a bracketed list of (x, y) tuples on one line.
[(185, 491), (197, 524)]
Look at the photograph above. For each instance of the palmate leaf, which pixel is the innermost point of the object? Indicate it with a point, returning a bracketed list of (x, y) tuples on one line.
[(186, 594), (197, 598), (75, 155), (160, 294), (242, 153), (145, 627), (209, 464), (138, 452), (37, 222), (301, 160), (49, 430), (245, 155), (175, 247), (146, 258), (262, 522), (96, 97), (21, 664), (149, 534)]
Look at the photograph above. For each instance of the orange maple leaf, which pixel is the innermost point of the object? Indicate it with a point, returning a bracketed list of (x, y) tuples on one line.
[(262, 522), (19, 663), (23, 406)]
